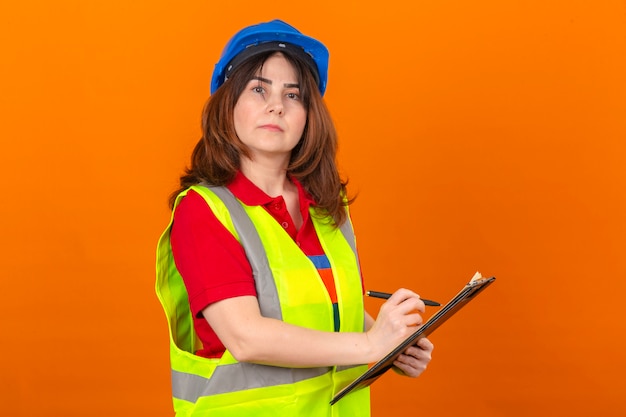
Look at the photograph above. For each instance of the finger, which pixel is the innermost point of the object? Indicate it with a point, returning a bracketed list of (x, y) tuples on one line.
[(406, 362), (422, 355), (405, 305), (403, 369), (413, 319), (417, 353), (402, 294), (425, 344), (417, 304), (410, 366)]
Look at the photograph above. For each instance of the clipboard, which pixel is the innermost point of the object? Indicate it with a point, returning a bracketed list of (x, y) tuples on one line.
[(467, 293)]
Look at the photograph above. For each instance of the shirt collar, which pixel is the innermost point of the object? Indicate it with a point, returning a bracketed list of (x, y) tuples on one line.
[(251, 195)]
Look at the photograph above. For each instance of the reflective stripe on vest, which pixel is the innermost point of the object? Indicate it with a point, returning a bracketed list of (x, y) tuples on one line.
[(240, 376)]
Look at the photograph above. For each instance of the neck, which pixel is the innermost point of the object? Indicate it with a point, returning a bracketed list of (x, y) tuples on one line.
[(270, 178)]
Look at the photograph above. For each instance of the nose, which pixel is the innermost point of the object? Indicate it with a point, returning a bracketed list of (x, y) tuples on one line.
[(275, 105)]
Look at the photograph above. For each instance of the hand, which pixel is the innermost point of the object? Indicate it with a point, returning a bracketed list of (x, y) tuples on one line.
[(415, 359), (397, 319)]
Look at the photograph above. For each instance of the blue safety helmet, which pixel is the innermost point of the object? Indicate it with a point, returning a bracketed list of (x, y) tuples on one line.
[(271, 36)]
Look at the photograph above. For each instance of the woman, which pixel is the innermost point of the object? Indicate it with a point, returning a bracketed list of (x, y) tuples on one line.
[(258, 271)]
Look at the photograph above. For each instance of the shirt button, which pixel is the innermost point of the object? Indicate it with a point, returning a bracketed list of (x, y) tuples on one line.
[(285, 225)]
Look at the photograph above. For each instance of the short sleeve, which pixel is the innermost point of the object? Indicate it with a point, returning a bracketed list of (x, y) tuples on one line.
[(211, 261)]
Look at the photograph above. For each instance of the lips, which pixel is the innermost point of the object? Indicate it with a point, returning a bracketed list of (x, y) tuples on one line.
[(272, 128)]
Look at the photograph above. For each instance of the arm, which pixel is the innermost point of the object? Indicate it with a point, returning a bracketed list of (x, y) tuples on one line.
[(236, 319), (251, 337)]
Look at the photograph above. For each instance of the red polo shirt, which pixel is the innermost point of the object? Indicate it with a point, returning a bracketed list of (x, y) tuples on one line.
[(212, 262)]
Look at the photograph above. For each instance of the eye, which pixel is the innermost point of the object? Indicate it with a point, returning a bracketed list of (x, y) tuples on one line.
[(258, 89), (293, 96)]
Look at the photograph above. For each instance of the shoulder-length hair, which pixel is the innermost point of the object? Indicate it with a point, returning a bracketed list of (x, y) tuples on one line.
[(216, 157)]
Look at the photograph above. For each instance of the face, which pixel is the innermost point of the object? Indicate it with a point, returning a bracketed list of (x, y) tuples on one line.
[(269, 115)]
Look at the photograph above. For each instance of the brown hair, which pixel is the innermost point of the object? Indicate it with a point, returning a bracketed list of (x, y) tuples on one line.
[(216, 157)]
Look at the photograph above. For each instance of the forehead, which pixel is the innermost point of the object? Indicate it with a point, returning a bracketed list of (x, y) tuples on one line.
[(278, 64)]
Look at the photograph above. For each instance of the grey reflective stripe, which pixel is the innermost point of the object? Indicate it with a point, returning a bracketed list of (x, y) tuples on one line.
[(344, 367), (251, 242), (348, 234), (237, 377)]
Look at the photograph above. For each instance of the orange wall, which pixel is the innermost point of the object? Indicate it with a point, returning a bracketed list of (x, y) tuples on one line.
[(482, 135)]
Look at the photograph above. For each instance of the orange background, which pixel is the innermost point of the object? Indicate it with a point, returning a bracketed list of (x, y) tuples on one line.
[(479, 135)]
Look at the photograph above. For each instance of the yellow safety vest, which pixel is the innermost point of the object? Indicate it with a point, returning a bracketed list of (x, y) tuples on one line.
[(288, 288)]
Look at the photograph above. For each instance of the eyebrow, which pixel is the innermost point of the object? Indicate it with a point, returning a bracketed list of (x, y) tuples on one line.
[(265, 80)]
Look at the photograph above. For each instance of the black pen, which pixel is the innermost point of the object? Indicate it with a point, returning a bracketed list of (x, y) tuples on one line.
[(386, 295)]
